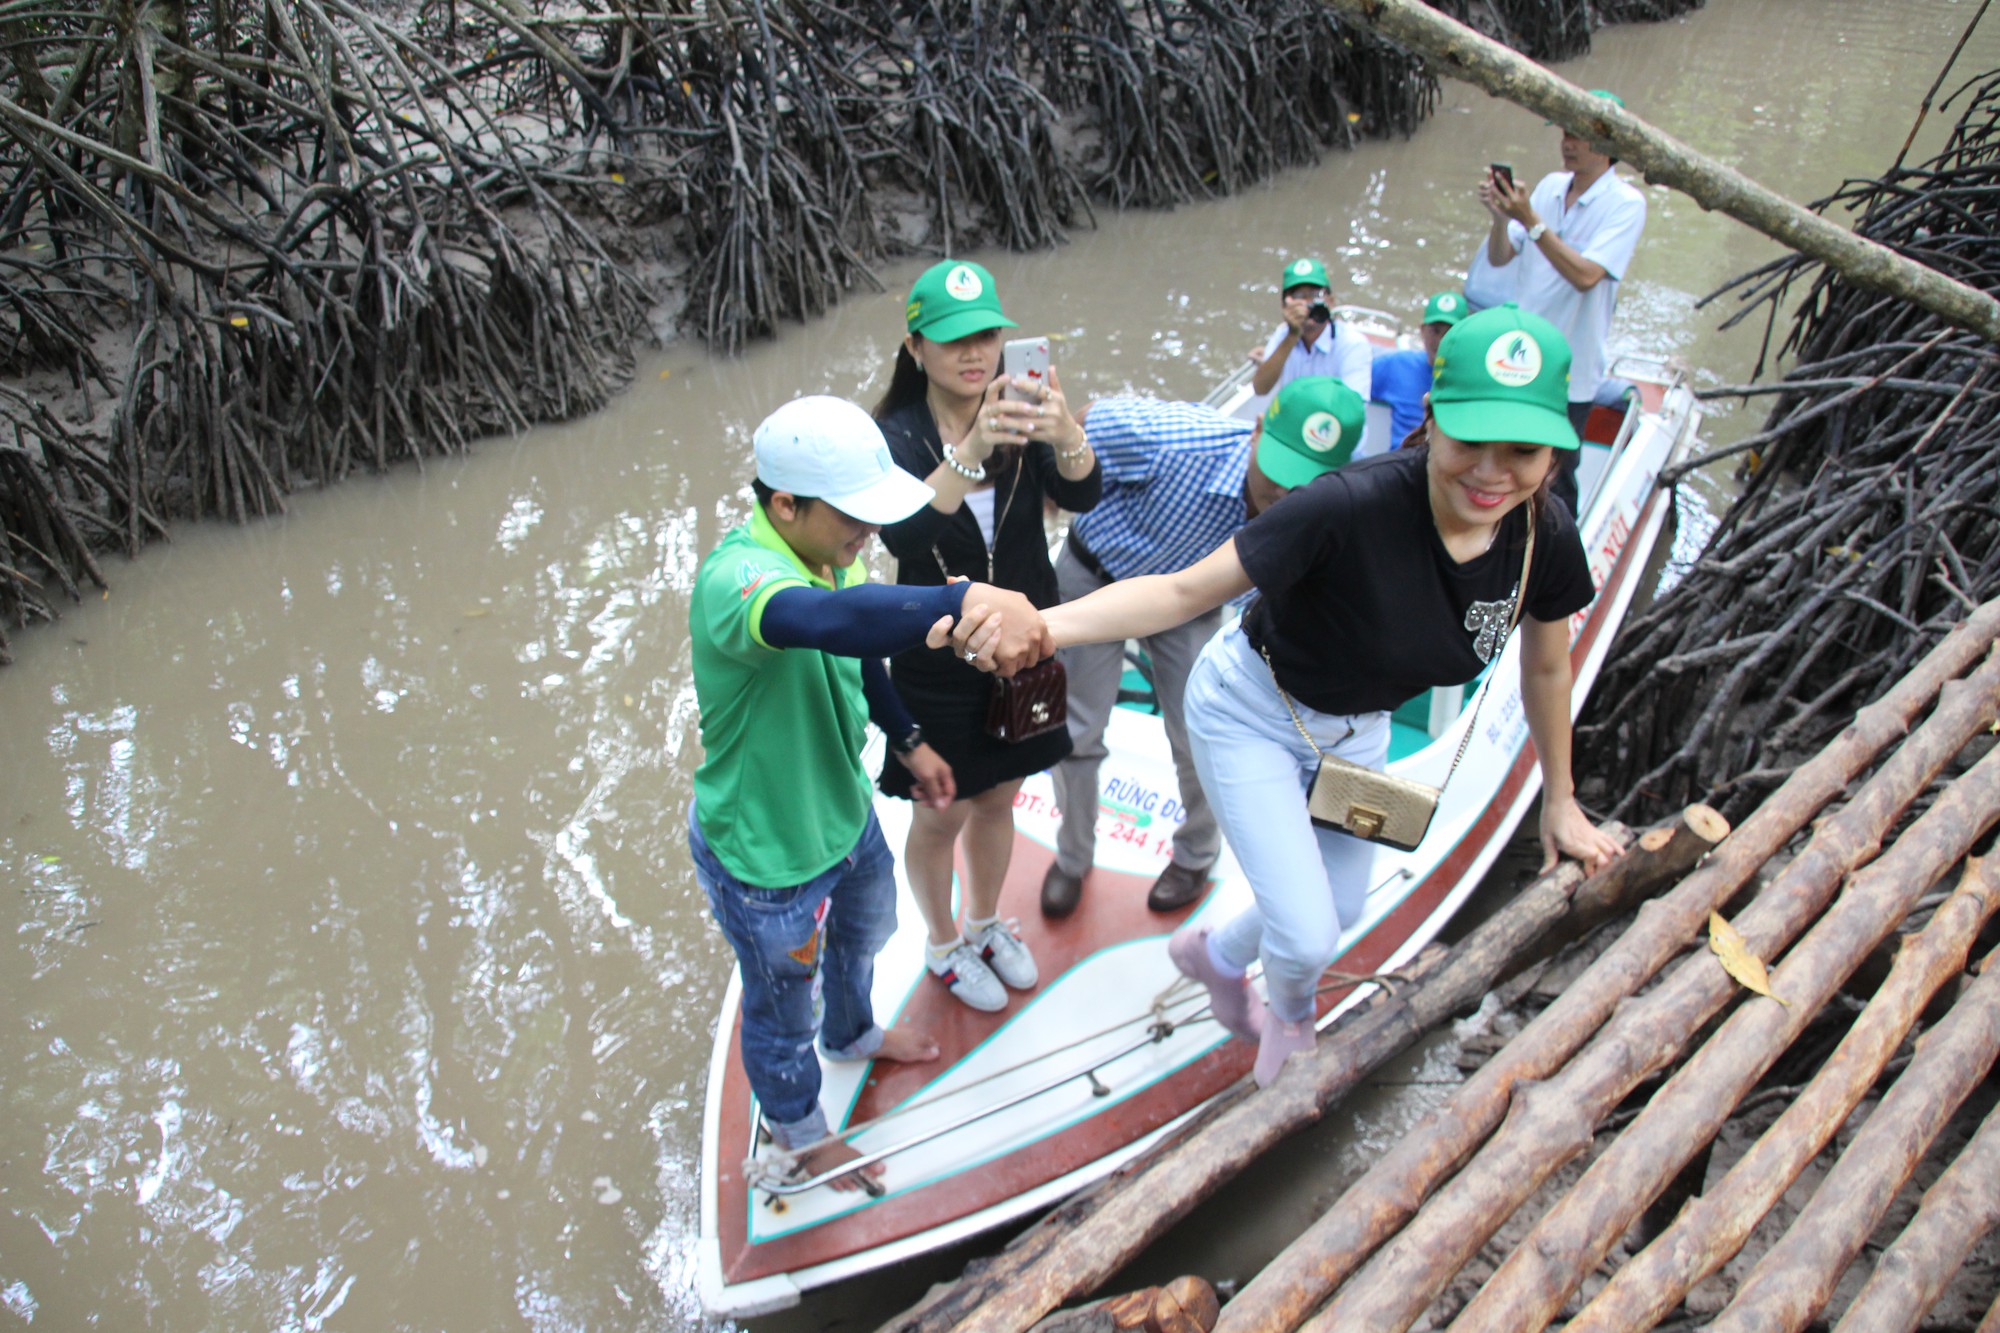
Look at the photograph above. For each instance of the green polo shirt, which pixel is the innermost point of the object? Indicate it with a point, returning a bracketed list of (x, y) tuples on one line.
[(781, 793)]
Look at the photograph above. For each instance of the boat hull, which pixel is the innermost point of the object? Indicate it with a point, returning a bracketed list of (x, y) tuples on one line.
[(1113, 1049)]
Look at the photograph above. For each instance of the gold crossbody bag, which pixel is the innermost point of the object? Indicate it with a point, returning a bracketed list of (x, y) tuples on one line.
[(1380, 807)]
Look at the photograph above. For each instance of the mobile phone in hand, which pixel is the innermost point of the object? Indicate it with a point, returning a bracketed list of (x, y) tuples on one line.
[(1502, 171), (1025, 363)]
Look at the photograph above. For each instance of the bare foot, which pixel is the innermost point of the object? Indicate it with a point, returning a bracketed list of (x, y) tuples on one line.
[(906, 1046), (828, 1154)]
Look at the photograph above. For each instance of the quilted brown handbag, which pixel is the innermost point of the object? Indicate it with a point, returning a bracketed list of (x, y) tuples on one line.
[(1032, 702)]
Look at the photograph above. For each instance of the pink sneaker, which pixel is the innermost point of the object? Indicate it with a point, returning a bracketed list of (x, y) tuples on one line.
[(1230, 999), (1280, 1039)]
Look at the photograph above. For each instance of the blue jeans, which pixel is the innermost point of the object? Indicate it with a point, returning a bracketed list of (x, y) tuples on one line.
[(1256, 768), (807, 957)]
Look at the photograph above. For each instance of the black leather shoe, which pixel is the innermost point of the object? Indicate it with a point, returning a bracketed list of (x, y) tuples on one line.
[(1177, 886), (1061, 891)]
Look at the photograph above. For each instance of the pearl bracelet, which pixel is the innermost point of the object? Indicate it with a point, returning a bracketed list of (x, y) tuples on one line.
[(969, 473), (1071, 455)]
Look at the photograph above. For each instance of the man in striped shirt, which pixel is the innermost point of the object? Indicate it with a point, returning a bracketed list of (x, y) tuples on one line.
[(1179, 480)]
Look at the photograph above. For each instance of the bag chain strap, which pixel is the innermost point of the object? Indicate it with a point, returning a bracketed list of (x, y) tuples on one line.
[(1513, 619), (1013, 486)]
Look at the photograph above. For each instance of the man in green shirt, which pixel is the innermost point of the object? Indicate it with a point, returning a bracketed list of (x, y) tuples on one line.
[(788, 642)]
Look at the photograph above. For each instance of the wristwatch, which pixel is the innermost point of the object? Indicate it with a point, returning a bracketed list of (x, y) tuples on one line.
[(911, 740), (1535, 232)]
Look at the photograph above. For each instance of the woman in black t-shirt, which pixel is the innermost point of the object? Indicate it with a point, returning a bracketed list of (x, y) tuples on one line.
[(1375, 582), (992, 462)]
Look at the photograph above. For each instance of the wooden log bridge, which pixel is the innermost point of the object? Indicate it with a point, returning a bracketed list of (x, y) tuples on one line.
[(1685, 1115), (1077, 1247), (1717, 1224), (1403, 1241), (1550, 1122)]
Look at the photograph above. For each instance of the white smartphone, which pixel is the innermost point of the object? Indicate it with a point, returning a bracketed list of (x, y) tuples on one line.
[(1025, 363)]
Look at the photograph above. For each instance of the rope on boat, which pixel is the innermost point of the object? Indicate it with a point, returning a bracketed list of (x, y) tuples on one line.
[(778, 1172), (785, 1177)]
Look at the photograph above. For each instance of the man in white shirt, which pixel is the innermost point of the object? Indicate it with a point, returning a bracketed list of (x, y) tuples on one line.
[(1568, 246), (1310, 341)]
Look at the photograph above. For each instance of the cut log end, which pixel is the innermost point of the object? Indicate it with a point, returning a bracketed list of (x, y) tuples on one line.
[(1706, 822), (1185, 1305)]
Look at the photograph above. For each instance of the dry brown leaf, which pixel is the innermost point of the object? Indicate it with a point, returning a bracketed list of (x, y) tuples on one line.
[(1733, 951)]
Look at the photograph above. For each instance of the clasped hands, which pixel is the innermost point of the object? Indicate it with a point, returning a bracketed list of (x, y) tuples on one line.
[(998, 630)]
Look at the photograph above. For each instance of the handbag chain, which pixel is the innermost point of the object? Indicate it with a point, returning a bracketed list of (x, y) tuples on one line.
[(1513, 619), (1013, 485)]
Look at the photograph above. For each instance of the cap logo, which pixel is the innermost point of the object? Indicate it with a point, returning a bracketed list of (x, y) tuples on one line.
[(963, 283), (911, 311), (1303, 266), (1447, 303), (1321, 432), (1514, 359)]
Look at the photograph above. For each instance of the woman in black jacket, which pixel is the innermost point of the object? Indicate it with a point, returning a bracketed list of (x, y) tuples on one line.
[(993, 462)]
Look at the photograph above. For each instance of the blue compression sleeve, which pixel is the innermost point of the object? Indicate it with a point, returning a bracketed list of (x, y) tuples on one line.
[(885, 706), (867, 620)]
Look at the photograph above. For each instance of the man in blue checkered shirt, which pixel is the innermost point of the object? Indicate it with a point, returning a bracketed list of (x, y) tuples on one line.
[(1179, 480)]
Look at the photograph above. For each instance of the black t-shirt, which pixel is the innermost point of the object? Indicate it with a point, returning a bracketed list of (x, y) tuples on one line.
[(1361, 607)]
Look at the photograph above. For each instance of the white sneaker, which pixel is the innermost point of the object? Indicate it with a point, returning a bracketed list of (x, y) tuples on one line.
[(1003, 951), (970, 979)]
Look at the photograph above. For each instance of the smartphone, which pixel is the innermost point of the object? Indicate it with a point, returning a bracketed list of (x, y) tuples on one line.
[(1503, 171), (1025, 363)]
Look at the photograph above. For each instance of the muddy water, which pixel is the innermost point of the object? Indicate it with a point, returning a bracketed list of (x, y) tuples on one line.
[(355, 977)]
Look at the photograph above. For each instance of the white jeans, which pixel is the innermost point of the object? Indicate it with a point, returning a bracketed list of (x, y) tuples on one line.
[(1257, 769)]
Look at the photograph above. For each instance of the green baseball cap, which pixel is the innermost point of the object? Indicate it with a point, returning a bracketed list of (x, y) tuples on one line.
[(1503, 374), (1311, 426), (1303, 273), (953, 299), (1446, 308), (1607, 95)]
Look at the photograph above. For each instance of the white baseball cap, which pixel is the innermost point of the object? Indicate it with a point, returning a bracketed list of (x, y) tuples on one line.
[(829, 449)]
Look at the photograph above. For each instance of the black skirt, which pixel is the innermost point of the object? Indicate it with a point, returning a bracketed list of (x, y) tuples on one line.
[(948, 700)]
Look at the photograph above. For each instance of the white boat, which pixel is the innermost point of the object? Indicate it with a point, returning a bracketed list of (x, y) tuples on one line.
[(1113, 1049), (1384, 333)]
